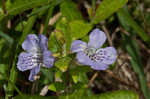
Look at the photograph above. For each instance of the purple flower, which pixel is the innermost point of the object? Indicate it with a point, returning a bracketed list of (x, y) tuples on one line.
[(91, 53), (36, 55)]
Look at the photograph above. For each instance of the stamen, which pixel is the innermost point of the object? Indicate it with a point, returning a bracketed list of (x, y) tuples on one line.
[(83, 46), (95, 55)]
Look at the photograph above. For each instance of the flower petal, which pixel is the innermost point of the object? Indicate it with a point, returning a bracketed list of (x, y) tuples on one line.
[(31, 43), (33, 72), (48, 59), (43, 42), (99, 66), (97, 38), (25, 61), (78, 46), (83, 58), (109, 55)]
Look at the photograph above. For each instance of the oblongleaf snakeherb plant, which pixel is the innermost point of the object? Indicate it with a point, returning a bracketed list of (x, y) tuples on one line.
[(91, 54), (36, 55)]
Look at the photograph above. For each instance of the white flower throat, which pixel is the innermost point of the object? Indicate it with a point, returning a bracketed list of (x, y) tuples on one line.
[(95, 54), (37, 56)]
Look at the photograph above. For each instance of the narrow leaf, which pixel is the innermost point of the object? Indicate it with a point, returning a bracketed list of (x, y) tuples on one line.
[(63, 63), (127, 21)]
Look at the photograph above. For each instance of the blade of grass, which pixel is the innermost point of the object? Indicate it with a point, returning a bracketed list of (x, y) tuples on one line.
[(48, 17), (132, 48), (127, 21), (28, 27), (6, 37), (133, 51), (19, 6), (39, 10)]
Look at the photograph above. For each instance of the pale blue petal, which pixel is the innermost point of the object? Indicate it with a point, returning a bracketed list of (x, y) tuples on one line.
[(109, 55), (48, 59), (25, 61), (99, 66), (31, 43), (97, 38), (43, 42), (78, 46), (33, 72), (83, 58)]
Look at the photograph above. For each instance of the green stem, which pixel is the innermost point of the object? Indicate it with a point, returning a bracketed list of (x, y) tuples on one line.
[(48, 17)]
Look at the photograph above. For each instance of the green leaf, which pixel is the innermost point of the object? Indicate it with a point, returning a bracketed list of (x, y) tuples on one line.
[(70, 11), (63, 63), (127, 21), (83, 77), (3, 71), (58, 74), (47, 76), (19, 6), (79, 29), (106, 9), (63, 34), (86, 94), (12, 80), (53, 44), (43, 8), (7, 37), (49, 15), (19, 26), (78, 73), (76, 69), (80, 77), (75, 78), (56, 86)]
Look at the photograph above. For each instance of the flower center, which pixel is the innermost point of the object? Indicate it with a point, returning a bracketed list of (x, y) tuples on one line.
[(89, 51), (37, 58), (95, 54)]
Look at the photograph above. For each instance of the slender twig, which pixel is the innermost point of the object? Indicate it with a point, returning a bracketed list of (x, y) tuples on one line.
[(124, 31), (115, 33), (92, 79), (34, 87), (4, 7), (54, 18), (9, 24), (41, 28), (107, 34)]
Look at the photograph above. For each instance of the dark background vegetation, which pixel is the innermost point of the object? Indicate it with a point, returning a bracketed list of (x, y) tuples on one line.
[(126, 24)]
